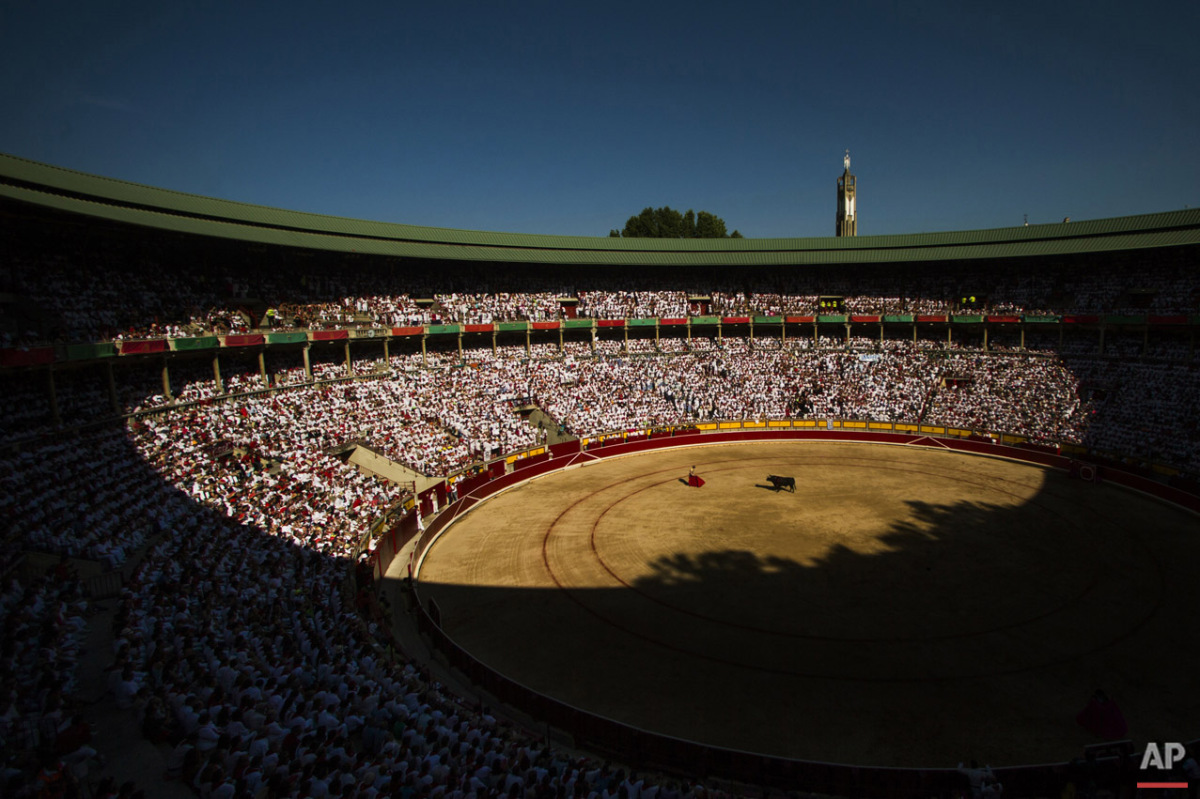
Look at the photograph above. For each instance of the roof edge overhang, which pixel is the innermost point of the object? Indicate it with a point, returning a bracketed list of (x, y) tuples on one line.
[(119, 201)]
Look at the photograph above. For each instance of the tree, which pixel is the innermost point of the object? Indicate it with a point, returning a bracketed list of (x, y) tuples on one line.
[(667, 223)]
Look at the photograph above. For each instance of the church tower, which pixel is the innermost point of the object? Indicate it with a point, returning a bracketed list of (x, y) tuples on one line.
[(847, 212)]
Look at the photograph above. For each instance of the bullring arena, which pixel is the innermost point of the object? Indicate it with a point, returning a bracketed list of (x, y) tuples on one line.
[(227, 432), (905, 605)]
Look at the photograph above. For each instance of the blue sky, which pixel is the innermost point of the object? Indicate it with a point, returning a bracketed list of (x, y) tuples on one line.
[(567, 118)]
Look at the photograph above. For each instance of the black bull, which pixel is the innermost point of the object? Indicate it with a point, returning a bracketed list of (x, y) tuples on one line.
[(781, 483)]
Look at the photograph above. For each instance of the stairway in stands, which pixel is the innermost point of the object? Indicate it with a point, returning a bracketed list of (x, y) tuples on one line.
[(535, 416)]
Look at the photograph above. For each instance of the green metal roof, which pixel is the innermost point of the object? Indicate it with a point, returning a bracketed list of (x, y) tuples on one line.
[(53, 187)]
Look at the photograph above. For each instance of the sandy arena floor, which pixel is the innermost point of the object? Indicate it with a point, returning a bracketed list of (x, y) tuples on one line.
[(904, 607)]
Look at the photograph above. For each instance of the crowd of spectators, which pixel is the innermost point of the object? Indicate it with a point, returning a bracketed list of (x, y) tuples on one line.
[(239, 644), (150, 289), (242, 645), (44, 624)]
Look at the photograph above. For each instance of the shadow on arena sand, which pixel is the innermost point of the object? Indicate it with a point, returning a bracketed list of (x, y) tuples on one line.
[(949, 631)]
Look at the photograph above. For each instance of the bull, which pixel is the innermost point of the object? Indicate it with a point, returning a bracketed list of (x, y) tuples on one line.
[(781, 483)]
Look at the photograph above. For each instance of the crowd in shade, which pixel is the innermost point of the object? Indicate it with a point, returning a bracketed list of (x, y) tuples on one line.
[(150, 288), (243, 648)]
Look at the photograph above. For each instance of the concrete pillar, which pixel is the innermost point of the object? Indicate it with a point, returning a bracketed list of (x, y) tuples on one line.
[(307, 361), (1022, 335), (217, 372), (112, 386), (166, 381), (52, 394), (424, 336), (985, 338), (262, 368)]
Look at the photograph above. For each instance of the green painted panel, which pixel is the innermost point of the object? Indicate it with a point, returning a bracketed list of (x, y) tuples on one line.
[(286, 338), (573, 324), (1041, 320), (434, 330), (641, 322), (904, 318), (969, 319), (831, 319), (198, 343), (506, 327), (706, 320), (768, 320), (84, 352)]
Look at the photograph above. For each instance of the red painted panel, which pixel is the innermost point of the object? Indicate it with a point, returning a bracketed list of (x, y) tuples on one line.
[(151, 345), (22, 357), (249, 340)]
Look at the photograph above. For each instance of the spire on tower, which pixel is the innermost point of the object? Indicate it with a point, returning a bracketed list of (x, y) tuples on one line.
[(847, 211)]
